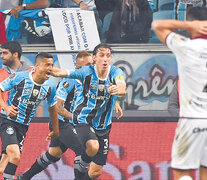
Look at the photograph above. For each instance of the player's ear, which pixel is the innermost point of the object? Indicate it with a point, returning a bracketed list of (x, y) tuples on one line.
[(94, 58), (15, 54)]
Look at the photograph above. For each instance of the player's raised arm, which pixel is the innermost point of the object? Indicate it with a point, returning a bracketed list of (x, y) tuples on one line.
[(163, 28)]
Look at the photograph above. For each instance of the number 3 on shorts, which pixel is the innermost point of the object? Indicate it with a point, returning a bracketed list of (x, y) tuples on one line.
[(106, 142)]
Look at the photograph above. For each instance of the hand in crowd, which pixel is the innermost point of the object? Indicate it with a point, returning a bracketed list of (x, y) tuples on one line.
[(15, 11), (83, 6)]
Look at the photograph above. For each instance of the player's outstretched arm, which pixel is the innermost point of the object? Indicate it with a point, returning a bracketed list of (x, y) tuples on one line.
[(61, 110), (57, 72)]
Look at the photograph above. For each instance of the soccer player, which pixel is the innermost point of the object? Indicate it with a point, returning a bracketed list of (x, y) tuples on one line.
[(190, 143), (11, 52), (93, 108), (28, 89), (67, 92)]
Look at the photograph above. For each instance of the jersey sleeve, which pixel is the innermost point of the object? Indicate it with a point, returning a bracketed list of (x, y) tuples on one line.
[(52, 98), (8, 83), (64, 87), (176, 43), (118, 76), (78, 73)]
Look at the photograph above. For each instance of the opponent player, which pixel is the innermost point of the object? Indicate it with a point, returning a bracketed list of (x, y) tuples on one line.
[(28, 89), (190, 143), (94, 106)]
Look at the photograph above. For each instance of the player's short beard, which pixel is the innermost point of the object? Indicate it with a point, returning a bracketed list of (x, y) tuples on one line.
[(8, 62)]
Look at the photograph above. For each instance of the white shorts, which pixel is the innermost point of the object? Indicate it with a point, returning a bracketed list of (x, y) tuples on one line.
[(189, 150)]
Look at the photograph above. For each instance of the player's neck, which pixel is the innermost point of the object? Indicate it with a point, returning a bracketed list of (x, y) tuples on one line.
[(37, 79), (102, 73)]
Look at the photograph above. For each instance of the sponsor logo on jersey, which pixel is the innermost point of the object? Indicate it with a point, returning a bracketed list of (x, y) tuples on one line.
[(198, 130), (65, 84), (35, 92), (27, 101), (10, 130)]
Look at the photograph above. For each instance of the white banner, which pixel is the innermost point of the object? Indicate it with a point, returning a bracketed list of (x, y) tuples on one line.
[(73, 29)]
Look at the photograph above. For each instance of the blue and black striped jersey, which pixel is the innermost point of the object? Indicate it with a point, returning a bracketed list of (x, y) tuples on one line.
[(94, 105), (26, 95), (67, 90)]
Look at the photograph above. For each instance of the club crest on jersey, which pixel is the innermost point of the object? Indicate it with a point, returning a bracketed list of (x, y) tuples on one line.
[(12, 76), (10, 130), (65, 84), (101, 87), (35, 92)]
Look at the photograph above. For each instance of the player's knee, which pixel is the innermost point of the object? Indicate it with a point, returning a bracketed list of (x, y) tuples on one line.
[(92, 148), (95, 173), (14, 158)]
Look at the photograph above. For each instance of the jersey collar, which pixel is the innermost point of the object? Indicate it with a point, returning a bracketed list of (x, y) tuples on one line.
[(201, 37), (97, 72)]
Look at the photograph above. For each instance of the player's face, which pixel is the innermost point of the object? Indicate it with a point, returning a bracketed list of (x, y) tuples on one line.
[(103, 58), (44, 68), (7, 57), (85, 61)]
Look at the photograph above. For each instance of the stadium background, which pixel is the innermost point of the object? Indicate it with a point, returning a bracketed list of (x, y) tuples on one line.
[(140, 142)]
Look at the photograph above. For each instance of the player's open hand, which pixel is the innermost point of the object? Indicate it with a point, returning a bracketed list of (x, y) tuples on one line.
[(51, 135), (11, 111), (113, 89), (118, 110), (199, 27)]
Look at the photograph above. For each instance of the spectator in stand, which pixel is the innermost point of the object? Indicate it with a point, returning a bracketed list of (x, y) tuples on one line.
[(131, 22), (29, 4), (82, 4)]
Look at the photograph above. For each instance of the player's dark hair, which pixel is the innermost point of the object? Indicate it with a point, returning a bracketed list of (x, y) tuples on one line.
[(101, 45), (197, 13), (13, 46), (41, 56)]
